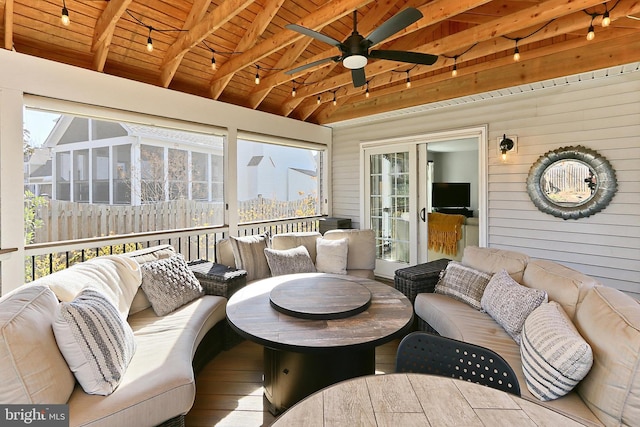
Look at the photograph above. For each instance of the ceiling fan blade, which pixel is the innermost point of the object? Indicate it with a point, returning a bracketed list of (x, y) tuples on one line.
[(316, 35), (404, 56), (358, 77), (394, 24), (312, 64)]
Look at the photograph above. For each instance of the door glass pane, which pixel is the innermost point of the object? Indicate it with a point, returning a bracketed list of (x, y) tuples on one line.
[(389, 205)]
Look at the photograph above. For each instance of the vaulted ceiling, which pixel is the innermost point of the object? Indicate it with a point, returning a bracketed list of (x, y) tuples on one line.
[(477, 37)]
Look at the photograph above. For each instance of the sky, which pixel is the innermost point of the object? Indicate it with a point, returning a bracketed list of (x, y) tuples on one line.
[(39, 124)]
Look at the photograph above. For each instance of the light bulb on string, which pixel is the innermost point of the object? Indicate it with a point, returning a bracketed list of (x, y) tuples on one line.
[(318, 100), (335, 101), (213, 62), (293, 91), (149, 41), (591, 34), (454, 72), (257, 79), (408, 84), (366, 92), (516, 53), (606, 19), (64, 18)]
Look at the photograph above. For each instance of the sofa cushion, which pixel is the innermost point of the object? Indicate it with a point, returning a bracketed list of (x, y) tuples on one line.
[(554, 355), (289, 261), (491, 260), (293, 240), (563, 284), (116, 276), (95, 340), (159, 382), (32, 369), (169, 284), (140, 300), (609, 321), (248, 252), (361, 253), (463, 283), (331, 256), (510, 303)]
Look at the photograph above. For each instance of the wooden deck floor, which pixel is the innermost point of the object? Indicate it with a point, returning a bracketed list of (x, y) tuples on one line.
[(229, 388)]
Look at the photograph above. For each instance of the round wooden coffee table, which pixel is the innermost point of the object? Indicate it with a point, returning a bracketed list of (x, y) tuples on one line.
[(316, 329)]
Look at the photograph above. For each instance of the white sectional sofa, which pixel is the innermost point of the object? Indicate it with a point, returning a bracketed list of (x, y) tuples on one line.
[(158, 385), (607, 319)]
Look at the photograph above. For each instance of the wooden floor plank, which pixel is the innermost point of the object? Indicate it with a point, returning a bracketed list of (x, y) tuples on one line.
[(229, 388)]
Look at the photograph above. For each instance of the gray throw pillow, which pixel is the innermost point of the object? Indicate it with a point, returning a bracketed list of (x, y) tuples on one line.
[(509, 303), (554, 355), (289, 261), (169, 284), (463, 283), (248, 252), (95, 340)]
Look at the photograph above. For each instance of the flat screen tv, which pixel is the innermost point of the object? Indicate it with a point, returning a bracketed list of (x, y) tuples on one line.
[(451, 195)]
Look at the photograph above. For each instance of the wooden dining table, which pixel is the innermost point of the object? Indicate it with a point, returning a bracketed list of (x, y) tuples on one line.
[(405, 400)]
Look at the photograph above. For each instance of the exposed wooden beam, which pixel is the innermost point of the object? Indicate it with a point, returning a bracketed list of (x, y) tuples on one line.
[(506, 73), (8, 24), (214, 20), (196, 14), (103, 32), (270, 9), (326, 14)]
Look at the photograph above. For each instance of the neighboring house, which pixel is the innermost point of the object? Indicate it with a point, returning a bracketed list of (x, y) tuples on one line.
[(94, 161)]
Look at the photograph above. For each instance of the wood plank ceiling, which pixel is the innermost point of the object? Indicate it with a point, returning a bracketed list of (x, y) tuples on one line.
[(248, 37)]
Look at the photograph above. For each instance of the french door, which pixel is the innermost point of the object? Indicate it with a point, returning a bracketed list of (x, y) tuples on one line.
[(390, 205)]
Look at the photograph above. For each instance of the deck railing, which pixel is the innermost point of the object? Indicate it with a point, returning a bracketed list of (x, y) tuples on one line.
[(193, 243)]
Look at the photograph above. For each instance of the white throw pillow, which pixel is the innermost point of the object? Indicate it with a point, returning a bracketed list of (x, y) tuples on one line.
[(331, 256), (289, 261), (554, 355), (169, 284), (510, 303), (95, 340)]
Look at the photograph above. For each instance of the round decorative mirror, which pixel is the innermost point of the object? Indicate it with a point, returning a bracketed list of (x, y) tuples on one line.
[(571, 182)]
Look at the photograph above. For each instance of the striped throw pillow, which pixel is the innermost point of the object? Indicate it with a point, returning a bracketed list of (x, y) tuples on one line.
[(463, 283), (95, 340), (554, 355)]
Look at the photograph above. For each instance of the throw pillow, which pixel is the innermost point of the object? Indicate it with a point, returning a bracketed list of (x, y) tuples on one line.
[(248, 252), (169, 284), (463, 283), (331, 256), (95, 340), (554, 355), (510, 303), (289, 261)]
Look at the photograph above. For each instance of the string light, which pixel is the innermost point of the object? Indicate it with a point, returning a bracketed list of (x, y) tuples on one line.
[(591, 34), (335, 101), (408, 80), (149, 41), (257, 79), (65, 15), (606, 19), (454, 72), (213, 62), (366, 92), (293, 90), (318, 100)]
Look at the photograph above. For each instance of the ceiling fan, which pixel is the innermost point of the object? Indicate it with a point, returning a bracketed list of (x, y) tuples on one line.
[(355, 49)]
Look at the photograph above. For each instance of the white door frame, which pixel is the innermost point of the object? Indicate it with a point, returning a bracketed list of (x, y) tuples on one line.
[(478, 132)]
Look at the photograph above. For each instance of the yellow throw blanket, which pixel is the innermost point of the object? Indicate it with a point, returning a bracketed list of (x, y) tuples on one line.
[(444, 232)]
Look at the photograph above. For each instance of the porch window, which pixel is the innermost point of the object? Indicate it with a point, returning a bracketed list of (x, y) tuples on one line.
[(278, 181)]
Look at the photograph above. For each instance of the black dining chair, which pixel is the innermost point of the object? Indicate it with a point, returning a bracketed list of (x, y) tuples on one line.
[(422, 352)]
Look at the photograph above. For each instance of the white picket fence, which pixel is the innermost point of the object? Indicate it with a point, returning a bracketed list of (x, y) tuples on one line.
[(70, 220)]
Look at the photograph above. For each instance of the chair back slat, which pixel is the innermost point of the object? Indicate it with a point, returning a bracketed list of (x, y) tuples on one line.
[(421, 352)]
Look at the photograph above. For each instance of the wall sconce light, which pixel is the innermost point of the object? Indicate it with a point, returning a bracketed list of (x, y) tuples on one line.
[(506, 144)]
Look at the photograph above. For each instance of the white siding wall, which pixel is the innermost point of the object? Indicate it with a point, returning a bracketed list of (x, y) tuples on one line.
[(601, 114)]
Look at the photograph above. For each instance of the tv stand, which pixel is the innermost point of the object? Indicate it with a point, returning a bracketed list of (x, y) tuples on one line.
[(456, 211)]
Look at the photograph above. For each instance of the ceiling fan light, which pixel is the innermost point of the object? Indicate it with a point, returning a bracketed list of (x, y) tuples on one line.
[(354, 62)]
